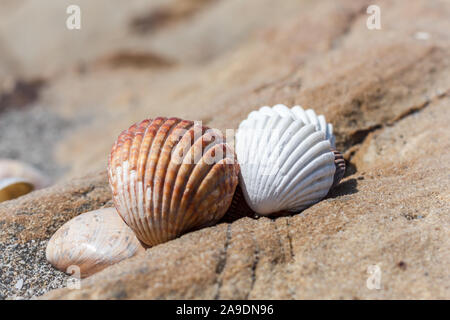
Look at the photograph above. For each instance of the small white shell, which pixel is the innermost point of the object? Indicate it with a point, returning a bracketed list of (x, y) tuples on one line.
[(91, 242), (11, 188), (298, 113), (286, 165), (18, 178)]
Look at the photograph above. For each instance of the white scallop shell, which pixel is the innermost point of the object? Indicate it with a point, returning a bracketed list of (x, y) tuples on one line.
[(308, 116), (286, 165)]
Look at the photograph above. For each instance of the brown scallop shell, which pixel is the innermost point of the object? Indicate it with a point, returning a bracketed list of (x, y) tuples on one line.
[(165, 181), (340, 167), (92, 241)]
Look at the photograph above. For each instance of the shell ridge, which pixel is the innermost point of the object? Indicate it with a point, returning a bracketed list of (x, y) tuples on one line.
[(123, 171), (274, 155), (177, 201), (305, 152), (303, 138), (222, 165), (195, 180), (310, 117), (300, 113), (180, 164), (323, 125), (133, 166), (149, 178), (262, 152), (242, 142), (316, 193), (142, 166), (254, 144), (332, 137), (118, 199), (162, 163), (231, 169), (191, 209), (126, 195), (305, 183), (173, 168), (152, 158), (297, 147), (252, 172), (133, 200), (129, 172), (318, 187), (308, 162), (266, 110), (144, 154), (245, 192)]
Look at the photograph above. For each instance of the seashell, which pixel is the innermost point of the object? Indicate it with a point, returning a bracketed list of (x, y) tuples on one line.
[(170, 176), (286, 165), (339, 162), (298, 113), (18, 178), (11, 188), (92, 241), (239, 207)]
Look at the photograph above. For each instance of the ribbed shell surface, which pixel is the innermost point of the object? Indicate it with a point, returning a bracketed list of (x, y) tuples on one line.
[(169, 176), (339, 162), (286, 165), (308, 116), (91, 242)]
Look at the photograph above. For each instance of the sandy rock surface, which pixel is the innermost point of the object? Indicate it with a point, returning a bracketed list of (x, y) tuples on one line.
[(387, 93)]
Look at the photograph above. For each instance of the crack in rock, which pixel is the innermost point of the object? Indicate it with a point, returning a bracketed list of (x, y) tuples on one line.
[(291, 249), (359, 136), (222, 262), (254, 266)]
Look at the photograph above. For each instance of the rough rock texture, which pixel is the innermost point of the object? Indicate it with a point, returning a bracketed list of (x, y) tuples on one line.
[(387, 93), (27, 223)]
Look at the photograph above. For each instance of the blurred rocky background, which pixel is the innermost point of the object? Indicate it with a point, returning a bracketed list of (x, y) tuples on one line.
[(65, 95)]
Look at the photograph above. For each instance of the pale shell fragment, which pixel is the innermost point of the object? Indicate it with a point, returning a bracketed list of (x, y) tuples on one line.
[(286, 165), (170, 176), (91, 242), (11, 188), (18, 178)]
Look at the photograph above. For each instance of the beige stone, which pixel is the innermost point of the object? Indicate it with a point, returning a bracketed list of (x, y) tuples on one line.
[(386, 93)]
